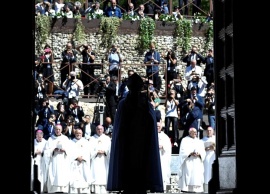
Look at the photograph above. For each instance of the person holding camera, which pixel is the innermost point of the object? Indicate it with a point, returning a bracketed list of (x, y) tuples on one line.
[(113, 10), (152, 60), (68, 127), (75, 110), (87, 74), (193, 55), (210, 107), (44, 112), (73, 86), (115, 59), (48, 128), (69, 58), (171, 66), (171, 117)]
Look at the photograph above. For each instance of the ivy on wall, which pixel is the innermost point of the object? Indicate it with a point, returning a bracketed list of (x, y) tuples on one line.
[(108, 28), (183, 34), (146, 33), (79, 33), (43, 28)]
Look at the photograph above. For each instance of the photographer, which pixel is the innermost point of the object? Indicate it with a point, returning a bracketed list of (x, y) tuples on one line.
[(171, 66), (44, 112), (193, 55), (69, 129), (73, 86), (76, 111), (115, 59), (69, 58), (48, 128), (87, 74), (210, 107)]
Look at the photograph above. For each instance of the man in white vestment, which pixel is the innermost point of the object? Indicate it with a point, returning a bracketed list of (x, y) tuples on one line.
[(165, 151), (80, 166), (100, 145), (210, 147), (58, 145), (191, 157), (39, 145)]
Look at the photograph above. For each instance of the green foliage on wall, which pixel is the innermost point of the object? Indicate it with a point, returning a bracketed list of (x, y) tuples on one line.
[(109, 29), (146, 33), (43, 28)]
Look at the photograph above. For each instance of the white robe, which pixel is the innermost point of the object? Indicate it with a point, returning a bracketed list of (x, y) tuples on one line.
[(191, 171), (59, 164), (165, 157), (38, 160), (209, 158), (80, 180), (99, 162)]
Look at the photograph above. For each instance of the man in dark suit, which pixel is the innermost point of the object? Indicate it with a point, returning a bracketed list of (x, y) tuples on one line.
[(112, 97)]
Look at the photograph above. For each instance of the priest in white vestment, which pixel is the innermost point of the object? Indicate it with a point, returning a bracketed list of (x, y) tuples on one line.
[(165, 151), (100, 145), (58, 145), (80, 166), (191, 157), (210, 147), (39, 146)]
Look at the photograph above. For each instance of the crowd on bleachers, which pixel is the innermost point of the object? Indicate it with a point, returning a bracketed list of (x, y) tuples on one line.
[(111, 8)]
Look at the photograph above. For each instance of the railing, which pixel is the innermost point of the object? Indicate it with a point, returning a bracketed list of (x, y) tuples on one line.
[(72, 66)]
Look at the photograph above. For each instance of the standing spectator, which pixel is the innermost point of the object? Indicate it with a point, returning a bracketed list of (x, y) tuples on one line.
[(196, 6), (108, 127), (123, 89), (76, 111), (69, 58), (193, 55), (39, 145), (171, 117), (210, 147), (112, 98), (135, 161), (73, 86), (130, 10), (113, 10), (80, 164), (115, 59), (193, 70), (87, 74), (189, 117), (165, 151), (183, 10), (179, 88), (191, 157), (96, 9), (210, 107), (100, 145), (171, 66), (199, 83), (88, 127), (48, 128), (78, 10), (141, 11), (69, 127), (59, 163), (152, 59), (209, 68), (47, 69), (177, 13), (44, 112), (60, 113)]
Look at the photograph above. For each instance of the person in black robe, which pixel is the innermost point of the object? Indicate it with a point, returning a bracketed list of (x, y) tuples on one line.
[(135, 161)]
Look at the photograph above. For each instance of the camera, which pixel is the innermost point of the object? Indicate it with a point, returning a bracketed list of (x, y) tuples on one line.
[(113, 50), (208, 95), (72, 77), (47, 103)]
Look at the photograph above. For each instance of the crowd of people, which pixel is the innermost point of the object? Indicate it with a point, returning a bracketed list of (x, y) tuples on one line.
[(111, 8), (76, 155)]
